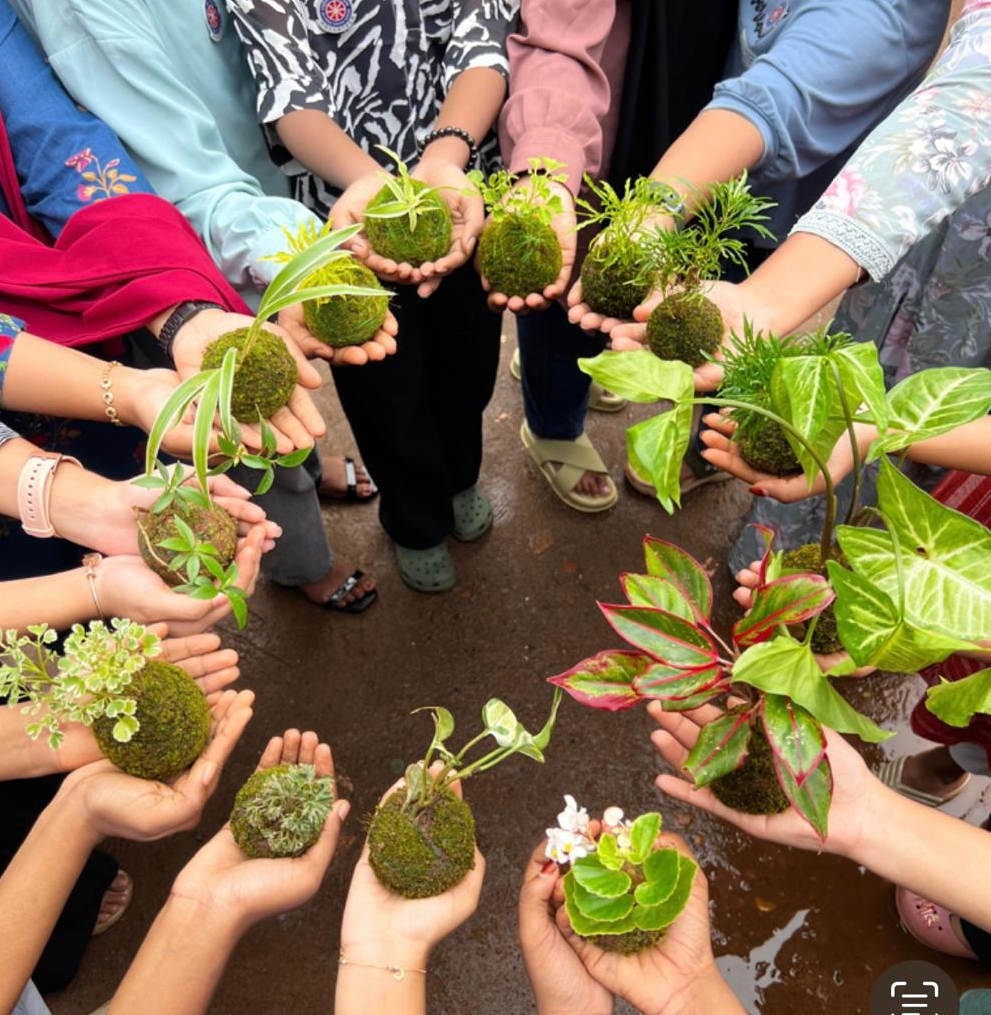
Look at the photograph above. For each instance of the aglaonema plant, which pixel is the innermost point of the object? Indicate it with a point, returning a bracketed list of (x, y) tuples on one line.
[(761, 755), (421, 839)]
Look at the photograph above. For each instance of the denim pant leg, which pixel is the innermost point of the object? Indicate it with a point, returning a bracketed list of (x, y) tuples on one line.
[(555, 391), (301, 553), (30, 1002)]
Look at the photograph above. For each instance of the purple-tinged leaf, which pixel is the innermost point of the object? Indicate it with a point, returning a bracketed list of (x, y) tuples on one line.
[(669, 683), (667, 637), (721, 747), (795, 737), (649, 590), (788, 600), (811, 800), (605, 680), (665, 560)]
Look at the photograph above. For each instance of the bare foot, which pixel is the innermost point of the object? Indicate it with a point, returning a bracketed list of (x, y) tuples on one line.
[(934, 772), (335, 480), (592, 484), (115, 901), (338, 578)]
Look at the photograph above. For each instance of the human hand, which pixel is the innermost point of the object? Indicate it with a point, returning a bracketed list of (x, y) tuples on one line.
[(380, 345), (201, 656), (115, 804), (224, 884), (383, 928), (564, 225), (580, 313), (561, 984), (854, 787)]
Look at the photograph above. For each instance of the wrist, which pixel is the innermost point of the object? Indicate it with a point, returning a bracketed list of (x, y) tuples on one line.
[(704, 991), (384, 953), (450, 144), (175, 328)]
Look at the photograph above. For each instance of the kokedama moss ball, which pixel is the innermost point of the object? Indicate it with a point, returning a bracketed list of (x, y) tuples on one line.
[(519, 256), (339, 321), (686, 327), (630, 942), (425, 854), (808, 557), (608, 288), (764, 446), (174, 724), (393, 238), (264, 378), (211, 525), (753, 788), (280, 811)]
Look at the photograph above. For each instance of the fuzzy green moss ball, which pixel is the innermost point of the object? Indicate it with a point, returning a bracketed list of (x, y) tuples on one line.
[(211, 525), (424, 855), (174, 724), (339, 321), (519, 256), (629, 943), (607, 283), (687, 327), (264, 379), (394, 238), (280, 811), (764, 446), (753, 788), (808, 557)]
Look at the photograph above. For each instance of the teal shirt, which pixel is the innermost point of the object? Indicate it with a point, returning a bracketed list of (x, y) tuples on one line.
[(182, 100)]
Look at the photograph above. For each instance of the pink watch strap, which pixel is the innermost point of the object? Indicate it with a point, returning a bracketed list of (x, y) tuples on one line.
[(34, 493)]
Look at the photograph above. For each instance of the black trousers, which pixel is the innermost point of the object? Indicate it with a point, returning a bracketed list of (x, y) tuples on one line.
[(417, 415)]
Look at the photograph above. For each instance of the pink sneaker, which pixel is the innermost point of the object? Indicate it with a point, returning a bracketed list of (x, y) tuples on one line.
[(930, 924)]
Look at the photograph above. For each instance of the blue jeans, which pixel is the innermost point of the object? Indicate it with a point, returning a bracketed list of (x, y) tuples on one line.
[(555, 391)]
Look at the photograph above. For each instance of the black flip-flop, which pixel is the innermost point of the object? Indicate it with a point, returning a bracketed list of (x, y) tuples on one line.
[(351, 481), (356, 605)]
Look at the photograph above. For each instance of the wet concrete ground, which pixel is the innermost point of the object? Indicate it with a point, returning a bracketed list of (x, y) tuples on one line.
[(796, 932)]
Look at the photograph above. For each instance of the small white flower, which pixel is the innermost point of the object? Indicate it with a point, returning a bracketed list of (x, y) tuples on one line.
[(573, 818), (564, 846), (612, 817)]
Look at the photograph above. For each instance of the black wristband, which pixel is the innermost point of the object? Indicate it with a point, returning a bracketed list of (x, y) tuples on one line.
[(458, 132), (182, 314)]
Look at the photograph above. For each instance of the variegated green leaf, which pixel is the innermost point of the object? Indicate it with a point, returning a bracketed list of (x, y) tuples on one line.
[(500, 721), (671, 683), (958, 702), (862, 378), (794, 736), (640, 376), (812, 799), (788, 600), (648, 590), (665, 560), (605, 680), (803, 391), (655, 449), (721, 747), (665, 636)]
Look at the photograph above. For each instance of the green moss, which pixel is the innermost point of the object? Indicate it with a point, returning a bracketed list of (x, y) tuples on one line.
[(425, 854), (339, 321), (753, 788), (764, 446), (264, 379), (396, 239), (686, 327), (629, 943), (211, 525), (280, 811), (174, 724), (519, 256), (808, 557), (607, 278)]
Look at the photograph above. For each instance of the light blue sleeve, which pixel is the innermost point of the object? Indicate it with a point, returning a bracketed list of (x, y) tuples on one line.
[(113, 59), (827, 73)]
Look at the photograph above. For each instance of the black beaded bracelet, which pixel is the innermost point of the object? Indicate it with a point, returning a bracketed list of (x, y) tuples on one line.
[(182, 314), (458, 132)]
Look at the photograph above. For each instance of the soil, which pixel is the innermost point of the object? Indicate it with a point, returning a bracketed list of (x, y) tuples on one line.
[(753, 788)]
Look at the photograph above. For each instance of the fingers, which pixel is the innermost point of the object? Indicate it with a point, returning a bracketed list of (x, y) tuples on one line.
[(322, 851), (231, 714), (300, 421)]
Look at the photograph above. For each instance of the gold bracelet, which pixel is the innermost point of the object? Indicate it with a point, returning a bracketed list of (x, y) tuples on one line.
[(108, 395), (90, 562), (398, 972)]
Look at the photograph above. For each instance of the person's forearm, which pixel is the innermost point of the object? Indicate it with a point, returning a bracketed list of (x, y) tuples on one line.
[(366, 982), (58, 600), (35, 886), (326, 150), (717, 145), (967, 448), (708, 993), (183, 937), (472, 103)]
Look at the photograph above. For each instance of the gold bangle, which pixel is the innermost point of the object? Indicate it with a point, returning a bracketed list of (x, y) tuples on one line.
[(90, 562), (398, 972), (108, 396)]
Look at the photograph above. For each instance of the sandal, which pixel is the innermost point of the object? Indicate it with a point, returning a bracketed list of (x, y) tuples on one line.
[(702, 473), (930, 924), (429, 570), (472, 514), (335, 601), (122, 886), (350, 480), (573, 459), (890, 773), (599, 400)]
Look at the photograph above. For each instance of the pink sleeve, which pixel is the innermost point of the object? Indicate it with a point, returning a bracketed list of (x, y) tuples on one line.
[(559, 93)]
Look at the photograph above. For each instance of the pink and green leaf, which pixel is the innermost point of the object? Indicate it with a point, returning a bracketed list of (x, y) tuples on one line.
[(784, 601), (659, 593), (671, 683), (605, 680), (796, 738), (811, 800), (667, 637), (721, 747), (665, 560)]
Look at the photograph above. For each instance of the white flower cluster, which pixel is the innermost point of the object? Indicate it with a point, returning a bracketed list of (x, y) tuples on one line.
[(570, 840)]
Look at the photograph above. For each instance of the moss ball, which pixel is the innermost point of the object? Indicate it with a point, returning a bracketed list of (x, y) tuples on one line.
[(608, 288), (280, 811), (753, 788), (808, 557), (394, 238), (764, 446), (425, 854), (630, 942), (340, 321), (211, 525), (174, 724), (686, 327), (264, 379), (519, 256)]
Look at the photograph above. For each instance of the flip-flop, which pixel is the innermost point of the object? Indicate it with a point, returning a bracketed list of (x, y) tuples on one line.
[(599, 400), (890, 773), (351, 483), (574, 459), (127, 891), (335, 600), (930, 924)]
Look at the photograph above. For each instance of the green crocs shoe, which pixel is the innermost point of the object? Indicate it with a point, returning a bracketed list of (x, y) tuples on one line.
[(472, 514), (426, 570)]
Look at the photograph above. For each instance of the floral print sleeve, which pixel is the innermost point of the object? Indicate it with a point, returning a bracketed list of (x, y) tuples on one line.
[(923, 162), (10, 328)]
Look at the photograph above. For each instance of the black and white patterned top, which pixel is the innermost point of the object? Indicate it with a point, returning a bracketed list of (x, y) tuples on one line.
[(379, 68)]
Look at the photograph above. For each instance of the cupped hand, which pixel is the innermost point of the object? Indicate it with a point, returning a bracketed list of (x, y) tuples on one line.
[(561, 984), (201, 656), (580, 313), (124, 806), (380, 345), (148, 391)]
